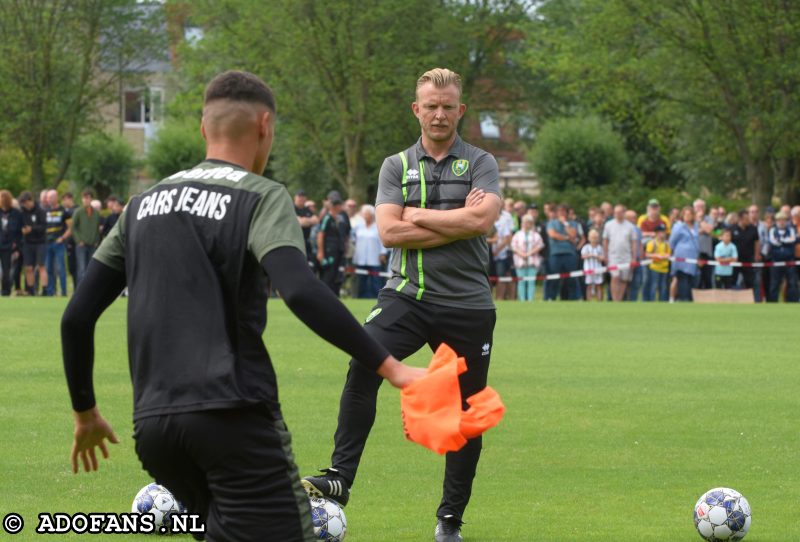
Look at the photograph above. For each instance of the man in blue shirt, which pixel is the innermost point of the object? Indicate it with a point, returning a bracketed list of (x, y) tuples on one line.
[(561, 257)]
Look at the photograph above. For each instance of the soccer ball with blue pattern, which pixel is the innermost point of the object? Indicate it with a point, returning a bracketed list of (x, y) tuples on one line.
[(722, 514), (157, 500), (328, 518)]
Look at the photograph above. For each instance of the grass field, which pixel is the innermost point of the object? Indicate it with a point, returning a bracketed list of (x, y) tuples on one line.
[(619, 417)]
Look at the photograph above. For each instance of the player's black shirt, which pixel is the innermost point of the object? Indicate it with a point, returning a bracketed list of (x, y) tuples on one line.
[(190, 248)]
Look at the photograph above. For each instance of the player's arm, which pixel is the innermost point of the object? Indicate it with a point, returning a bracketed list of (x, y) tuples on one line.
[(469, 221), (398, 233), (316, 306), (99, 288)]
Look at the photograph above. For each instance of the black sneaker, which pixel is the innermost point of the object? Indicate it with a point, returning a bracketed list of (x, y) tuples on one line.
[(330, 486), (448, 529)]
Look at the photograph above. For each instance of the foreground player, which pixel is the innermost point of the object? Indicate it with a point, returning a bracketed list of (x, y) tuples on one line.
[(198, 252), (436, 201)]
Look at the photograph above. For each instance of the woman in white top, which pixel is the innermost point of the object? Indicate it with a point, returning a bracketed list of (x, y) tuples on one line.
[(369, 255), (526, 245)]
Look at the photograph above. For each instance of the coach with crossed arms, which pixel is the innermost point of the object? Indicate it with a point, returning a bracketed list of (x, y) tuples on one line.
[(436, 201), (198, 252)]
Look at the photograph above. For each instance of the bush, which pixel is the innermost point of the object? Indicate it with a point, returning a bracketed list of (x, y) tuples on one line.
[(106, 163), (578, 153), (177, 146)]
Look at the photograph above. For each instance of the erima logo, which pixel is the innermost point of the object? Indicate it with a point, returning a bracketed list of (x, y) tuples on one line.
[(486, 348), (412, 175)]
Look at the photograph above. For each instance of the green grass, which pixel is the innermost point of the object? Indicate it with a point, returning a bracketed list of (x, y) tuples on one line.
[(619, 417)]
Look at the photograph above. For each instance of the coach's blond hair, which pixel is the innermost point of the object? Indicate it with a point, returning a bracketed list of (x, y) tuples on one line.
[(441, 78)]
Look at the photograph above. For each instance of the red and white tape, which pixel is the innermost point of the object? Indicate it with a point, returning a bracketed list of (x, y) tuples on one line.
[(599, 271)]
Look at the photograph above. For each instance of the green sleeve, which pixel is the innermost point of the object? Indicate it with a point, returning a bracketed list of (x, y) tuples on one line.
[(274, 224), (112, 250)]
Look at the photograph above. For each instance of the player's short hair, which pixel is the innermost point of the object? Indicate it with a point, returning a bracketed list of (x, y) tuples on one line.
[(441, 78), (240, 86)]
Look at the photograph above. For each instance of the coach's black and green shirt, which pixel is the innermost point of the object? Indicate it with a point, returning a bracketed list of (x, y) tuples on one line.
[(190, 247), (455, 274)]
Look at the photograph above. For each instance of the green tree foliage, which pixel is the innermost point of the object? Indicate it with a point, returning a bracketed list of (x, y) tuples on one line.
[(577, 153), (684, 67), (104, 163), (344, 72), (15, 174), (178, 145), (59, 62)]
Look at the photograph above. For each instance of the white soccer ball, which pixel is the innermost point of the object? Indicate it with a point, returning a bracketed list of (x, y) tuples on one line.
[(156, 500), (722, 514), (328, 518)]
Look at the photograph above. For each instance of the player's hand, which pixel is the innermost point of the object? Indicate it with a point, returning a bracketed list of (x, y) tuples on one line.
[(474, 198), (91, 430), (398, 374)]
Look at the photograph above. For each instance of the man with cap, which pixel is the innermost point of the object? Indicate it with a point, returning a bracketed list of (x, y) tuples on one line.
[(331, 242), (651, 219), (782, 239)]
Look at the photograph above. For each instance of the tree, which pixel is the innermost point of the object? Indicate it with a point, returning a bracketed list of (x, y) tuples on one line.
[(344, 73), (691, 65), (104, 163), (59, 61)]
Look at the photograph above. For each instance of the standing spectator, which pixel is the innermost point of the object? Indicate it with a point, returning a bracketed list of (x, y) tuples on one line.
[(34, 232), (306, 217), (330, 243), (541, 228), (68, 203), (684, 244), (115, 207), (500, 251), (10, 240), (527, 245), (593, 260), (652, 218), (796, 223), (748, 247), (706, 224), (766, 249), (369, 254), (608, 211), (85, 232), (637, 277), (57, 233), (674, 216), (561, 255), (619, 245), (657, 273), (782, 239), (725, 253)]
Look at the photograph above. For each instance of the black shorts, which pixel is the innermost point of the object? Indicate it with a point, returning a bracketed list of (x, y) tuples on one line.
[(33, 254), (233, 467)]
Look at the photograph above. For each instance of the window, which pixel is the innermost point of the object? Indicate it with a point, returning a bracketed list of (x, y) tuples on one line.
[(489, 127), (143, 106)]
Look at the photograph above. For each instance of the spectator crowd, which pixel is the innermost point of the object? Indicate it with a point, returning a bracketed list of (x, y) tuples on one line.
[(43, 240), (650, 256)]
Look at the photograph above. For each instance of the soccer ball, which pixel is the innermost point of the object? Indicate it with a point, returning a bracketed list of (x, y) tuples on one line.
[(156, 500), (722, 514), (328, 518)]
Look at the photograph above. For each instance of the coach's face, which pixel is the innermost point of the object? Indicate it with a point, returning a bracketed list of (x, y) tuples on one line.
[(438, 111)]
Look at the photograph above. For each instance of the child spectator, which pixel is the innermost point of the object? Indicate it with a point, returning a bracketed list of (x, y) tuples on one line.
[(593, 258), (526, 245), (725, 253), (657, 276)]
